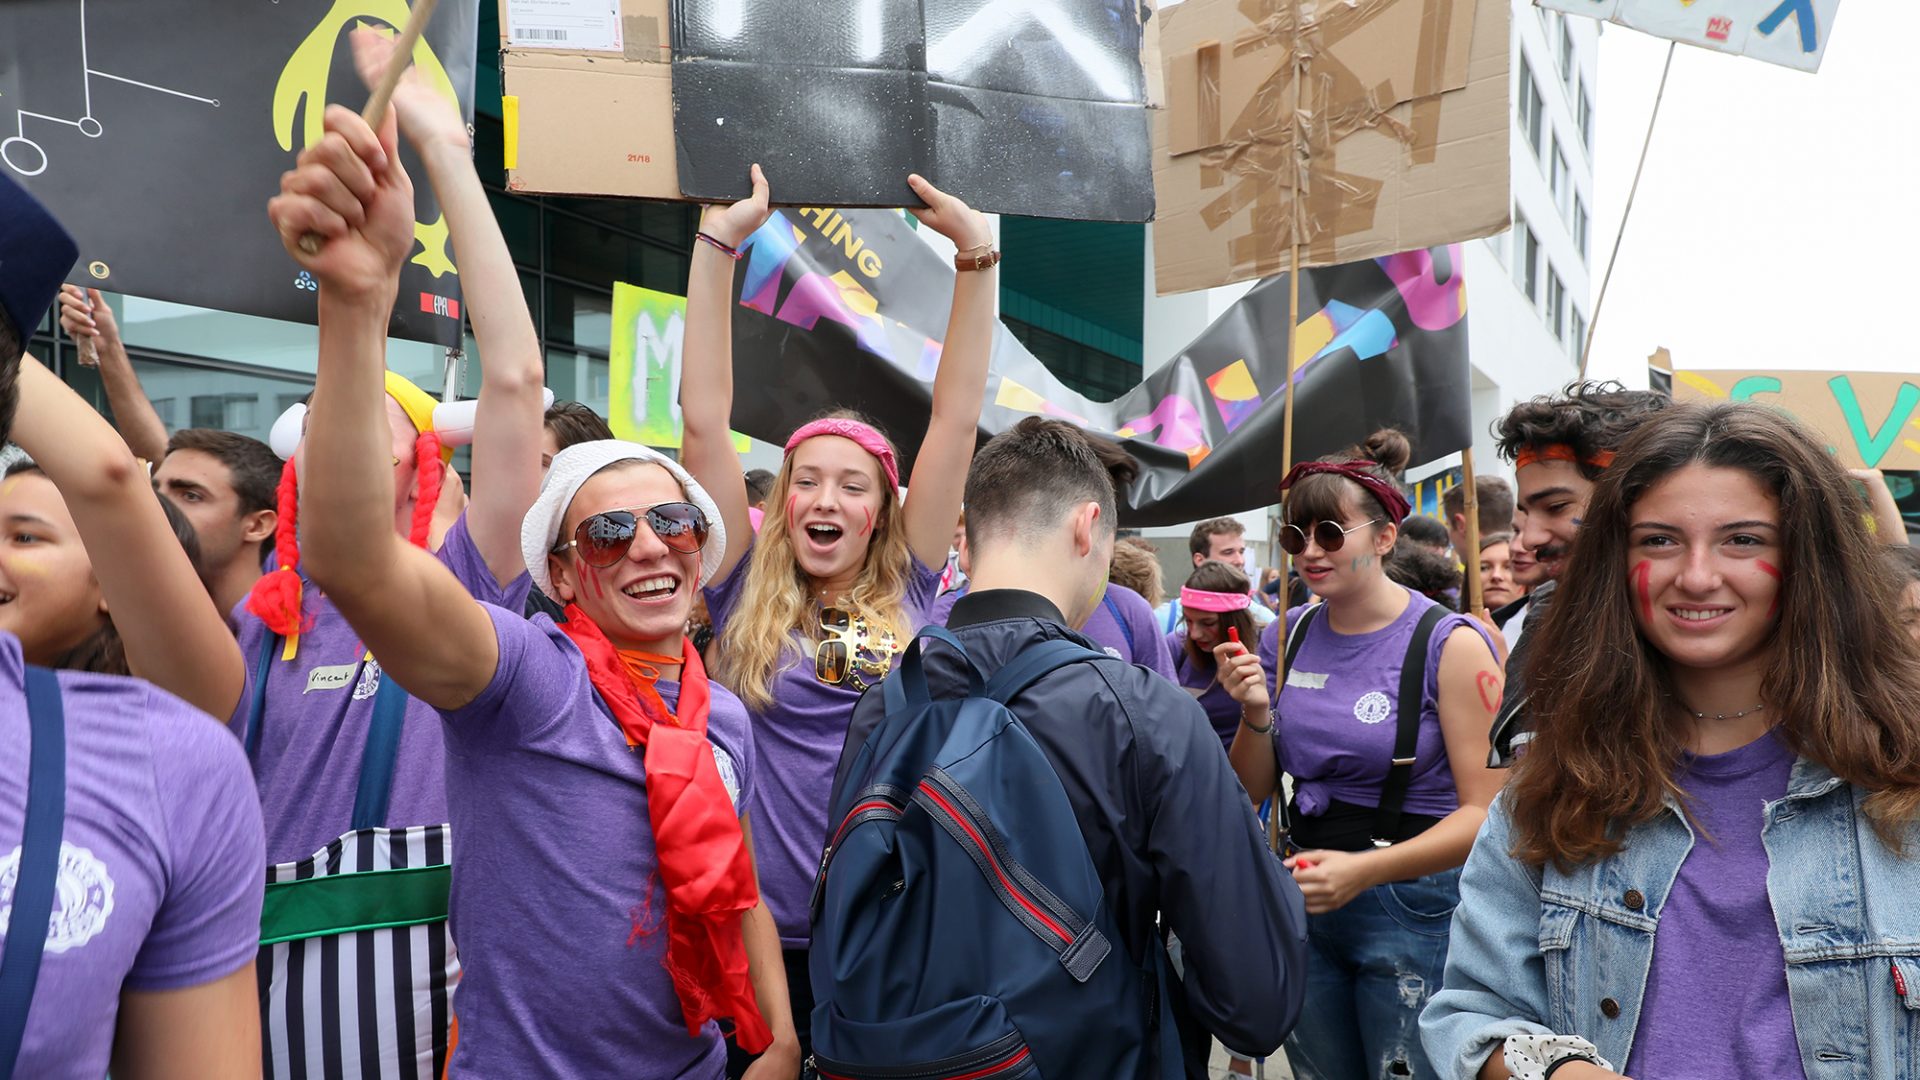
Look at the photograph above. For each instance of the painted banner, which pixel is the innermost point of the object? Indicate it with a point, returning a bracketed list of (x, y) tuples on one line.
[(156, 130), (1870, 420), (1792, 33), (848, 309), (644, 367)]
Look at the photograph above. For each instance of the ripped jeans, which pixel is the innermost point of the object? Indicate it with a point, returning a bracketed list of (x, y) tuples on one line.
[(1371, 966)]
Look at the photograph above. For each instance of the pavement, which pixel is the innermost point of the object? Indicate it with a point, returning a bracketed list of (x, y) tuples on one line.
[(1276, 1067)]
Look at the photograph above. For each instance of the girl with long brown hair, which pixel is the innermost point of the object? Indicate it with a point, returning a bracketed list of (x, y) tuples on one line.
[(810, 612), (1216, 598), (1382, 724), (1702, 863)]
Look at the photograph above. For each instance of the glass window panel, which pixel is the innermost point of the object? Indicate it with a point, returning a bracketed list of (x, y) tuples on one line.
[(576, 376), (579, 318), (188, 396)]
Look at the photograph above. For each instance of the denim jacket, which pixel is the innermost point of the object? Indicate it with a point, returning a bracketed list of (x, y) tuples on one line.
[(1537, 951)]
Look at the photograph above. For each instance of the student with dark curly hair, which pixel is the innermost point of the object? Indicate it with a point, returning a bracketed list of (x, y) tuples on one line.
[(1703, 863)]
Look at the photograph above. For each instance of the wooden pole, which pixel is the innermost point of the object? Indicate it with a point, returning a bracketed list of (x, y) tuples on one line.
[(1599, 301), (1296, 160), (1470, 558), (376, 110)]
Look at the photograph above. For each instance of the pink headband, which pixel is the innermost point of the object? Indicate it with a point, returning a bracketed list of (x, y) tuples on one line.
[(869, 440), (1201, 600)]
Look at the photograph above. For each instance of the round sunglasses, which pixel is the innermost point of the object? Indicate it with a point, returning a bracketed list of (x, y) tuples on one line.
[(1328, 534), (606, 537)]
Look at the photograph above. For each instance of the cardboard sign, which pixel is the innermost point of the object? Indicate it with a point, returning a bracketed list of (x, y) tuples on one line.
[(1870, 420), (1792, 33), (583, 121), (1400, 135), (849, 309), (156, 130)]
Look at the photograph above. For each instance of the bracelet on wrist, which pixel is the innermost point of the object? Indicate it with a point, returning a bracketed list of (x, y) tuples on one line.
[(1555, 1067), (1268, 730), (719, 245)]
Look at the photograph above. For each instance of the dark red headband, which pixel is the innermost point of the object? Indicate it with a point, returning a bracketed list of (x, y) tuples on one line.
[(1389, 497)]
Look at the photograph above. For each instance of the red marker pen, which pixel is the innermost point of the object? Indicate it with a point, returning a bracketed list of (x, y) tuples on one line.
[(1233, 634)]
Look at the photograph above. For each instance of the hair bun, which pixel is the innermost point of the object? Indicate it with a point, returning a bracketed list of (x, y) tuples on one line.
[(1389, 449)]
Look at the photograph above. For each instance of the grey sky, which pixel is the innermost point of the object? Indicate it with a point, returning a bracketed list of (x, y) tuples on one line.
[(1777, 225)]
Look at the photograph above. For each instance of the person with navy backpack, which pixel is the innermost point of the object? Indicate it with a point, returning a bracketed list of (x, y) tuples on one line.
[(1017, 820), (130, 840)]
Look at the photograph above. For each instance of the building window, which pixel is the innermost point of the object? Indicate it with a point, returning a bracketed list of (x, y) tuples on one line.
[(1526, 260), (1580, 228), (1098, 375), (1561, 184), (1579, 339), (1532, 108), (1583, 117), (1568, 70), (1556, 305)]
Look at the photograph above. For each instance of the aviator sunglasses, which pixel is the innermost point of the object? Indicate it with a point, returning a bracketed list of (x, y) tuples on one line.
[(1328, 534), (606, 537)]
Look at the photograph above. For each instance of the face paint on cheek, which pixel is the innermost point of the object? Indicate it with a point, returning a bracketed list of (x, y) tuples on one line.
[(868, 531), (793, 523), (599, 590), (1773, 572), (1642, 573)]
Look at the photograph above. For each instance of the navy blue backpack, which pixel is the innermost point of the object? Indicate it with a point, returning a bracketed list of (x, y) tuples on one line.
[(960, 930)]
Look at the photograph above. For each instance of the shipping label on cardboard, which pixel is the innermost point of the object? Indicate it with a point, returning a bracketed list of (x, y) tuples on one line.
[(573, 25), (1396, 137)]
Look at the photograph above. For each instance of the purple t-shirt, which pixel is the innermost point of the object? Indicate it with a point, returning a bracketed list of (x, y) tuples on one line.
[(160, 859), (1339, 713), (557, 868), (1123, 625), (317, 710), (1203, 682), (1716, 1001), (799, 739)]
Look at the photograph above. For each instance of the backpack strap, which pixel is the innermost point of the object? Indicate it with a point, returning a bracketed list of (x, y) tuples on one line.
[(39, 867), (257, 703), (1113, 610), (907, 687), (1406, 738), (375, 793), (1298, 635), (1033, 664)]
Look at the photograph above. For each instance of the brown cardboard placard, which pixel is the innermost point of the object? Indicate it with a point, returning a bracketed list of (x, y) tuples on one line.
[(599, 123), (1871, 420), (1401, 133)]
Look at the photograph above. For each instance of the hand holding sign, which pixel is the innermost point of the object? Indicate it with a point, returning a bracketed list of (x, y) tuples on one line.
[(350, 190), (427, 116), (951, 217), (731, 225)]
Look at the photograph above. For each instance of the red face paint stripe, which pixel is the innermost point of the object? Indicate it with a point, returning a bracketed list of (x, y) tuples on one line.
[(1771, 569), (792, 524), (995, 863), (868, 531), (1641, 574)]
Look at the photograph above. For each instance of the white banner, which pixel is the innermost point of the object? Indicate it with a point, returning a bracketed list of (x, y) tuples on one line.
[(1792, 33)]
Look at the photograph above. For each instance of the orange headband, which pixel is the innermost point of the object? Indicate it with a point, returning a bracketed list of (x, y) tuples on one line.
[(1531, 455)]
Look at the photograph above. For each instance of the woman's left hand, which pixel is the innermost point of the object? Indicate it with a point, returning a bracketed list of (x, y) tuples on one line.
[(951, 217), (1329, 879)]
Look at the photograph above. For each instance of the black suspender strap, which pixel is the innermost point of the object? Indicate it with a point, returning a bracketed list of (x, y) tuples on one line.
[(1406, 739), (39, 867)]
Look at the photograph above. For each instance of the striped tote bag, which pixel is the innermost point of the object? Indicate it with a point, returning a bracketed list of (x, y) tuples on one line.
[(356, 968)]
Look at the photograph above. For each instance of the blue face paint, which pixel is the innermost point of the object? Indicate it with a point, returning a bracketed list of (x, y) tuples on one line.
[(1577, 523)]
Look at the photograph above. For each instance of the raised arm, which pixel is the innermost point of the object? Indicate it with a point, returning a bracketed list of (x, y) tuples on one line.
[(960, 384), (1889, 527), (706, 370), (412, 613), (173, 633), (506, 444), (85, 314)]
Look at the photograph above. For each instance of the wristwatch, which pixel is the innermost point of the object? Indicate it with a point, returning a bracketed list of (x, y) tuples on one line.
[(983, 258)]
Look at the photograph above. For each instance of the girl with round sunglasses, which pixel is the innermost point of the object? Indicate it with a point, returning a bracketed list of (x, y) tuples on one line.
[(1216, 599), (842, 573), (1704, 862), (1388, 763)]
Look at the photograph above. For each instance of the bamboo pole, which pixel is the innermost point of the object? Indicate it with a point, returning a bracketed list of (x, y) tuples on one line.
[(1470, 558)]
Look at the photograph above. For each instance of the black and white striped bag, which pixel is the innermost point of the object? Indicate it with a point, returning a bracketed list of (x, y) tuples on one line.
[(356, 967)]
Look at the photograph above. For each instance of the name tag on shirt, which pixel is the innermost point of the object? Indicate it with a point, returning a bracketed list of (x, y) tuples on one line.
[(336, 677), (1306, 680)]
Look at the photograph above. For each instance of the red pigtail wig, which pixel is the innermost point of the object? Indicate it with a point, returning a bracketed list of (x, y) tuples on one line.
[(431, 472), (275, 598)]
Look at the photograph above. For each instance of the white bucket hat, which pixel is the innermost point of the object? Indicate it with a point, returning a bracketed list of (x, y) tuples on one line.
[(572, 467)]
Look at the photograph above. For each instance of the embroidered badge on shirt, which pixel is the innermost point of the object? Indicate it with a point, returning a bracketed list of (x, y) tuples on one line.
[(1372, 707), (83, 897), (335, 677)]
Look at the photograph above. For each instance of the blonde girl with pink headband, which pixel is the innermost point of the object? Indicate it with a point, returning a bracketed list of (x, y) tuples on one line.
[(812, 611)]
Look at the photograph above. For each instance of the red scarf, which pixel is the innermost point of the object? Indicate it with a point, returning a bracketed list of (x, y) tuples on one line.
[(696, 835)]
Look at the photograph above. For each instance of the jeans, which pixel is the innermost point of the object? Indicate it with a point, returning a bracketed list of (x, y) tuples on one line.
[(1371, 966)]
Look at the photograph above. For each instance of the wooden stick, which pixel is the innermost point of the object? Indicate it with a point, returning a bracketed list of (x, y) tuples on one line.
[(1294, 163), (1470, 558), (1600, 301), (376, 111)]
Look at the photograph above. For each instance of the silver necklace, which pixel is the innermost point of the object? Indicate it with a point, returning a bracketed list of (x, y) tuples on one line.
[(1725, 716)]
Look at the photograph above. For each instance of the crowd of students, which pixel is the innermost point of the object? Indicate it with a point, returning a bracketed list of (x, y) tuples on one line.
[(1650, 810)]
